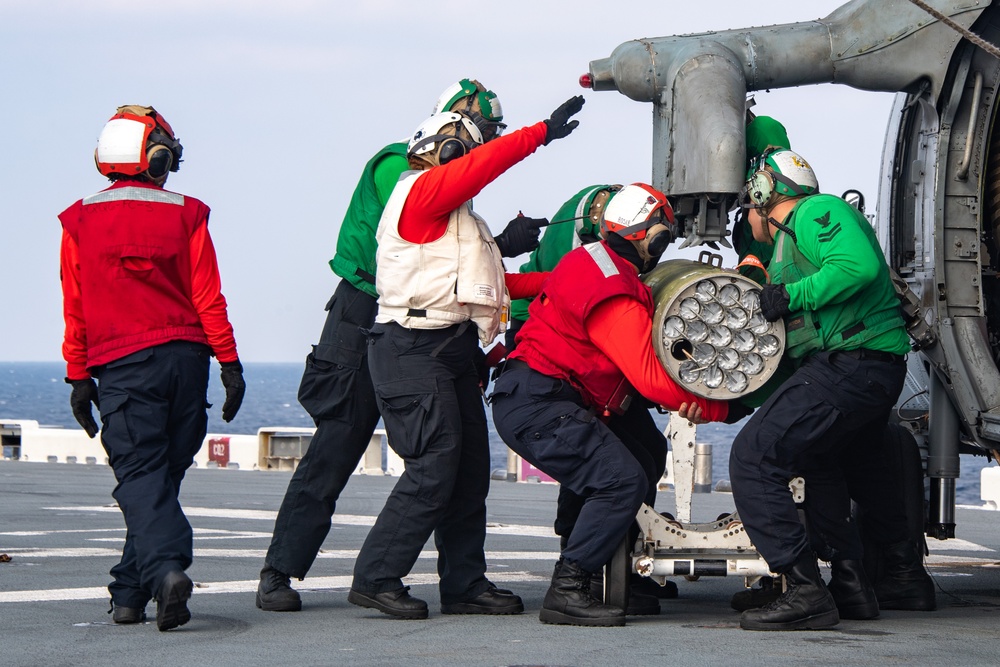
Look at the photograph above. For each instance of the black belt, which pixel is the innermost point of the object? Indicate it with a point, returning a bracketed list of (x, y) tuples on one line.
[(864, 354), (512, 364)]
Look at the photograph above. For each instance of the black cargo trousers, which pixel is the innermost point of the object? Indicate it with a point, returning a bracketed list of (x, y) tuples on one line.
[(645, 441), (154, 419), (336, 390), (833, 404), (637, 431), (545, 421), (428, 390)]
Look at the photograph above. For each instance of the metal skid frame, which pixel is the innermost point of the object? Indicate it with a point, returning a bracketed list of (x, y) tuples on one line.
[(670, 547)]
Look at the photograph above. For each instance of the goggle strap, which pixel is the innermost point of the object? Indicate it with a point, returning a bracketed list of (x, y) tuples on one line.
[(430, 140)]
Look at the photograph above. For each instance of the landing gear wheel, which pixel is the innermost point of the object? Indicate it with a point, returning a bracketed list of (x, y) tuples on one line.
[(617, 574)]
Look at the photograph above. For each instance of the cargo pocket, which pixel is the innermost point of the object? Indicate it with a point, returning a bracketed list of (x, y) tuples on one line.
[(329, 382), (565, 440), (504, 385), (134, 358), (117, 436), (406, 409), (541, 386)]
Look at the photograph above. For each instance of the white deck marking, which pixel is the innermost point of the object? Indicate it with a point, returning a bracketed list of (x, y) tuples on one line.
[(36, 533), (333, 554), (338, 519), (955, 545), (243, 586)]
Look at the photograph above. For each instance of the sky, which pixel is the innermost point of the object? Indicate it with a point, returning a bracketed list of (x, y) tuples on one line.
[(280, 105)]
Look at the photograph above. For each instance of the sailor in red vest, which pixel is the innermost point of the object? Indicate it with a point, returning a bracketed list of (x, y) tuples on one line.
[(144, 313), (588, 337)]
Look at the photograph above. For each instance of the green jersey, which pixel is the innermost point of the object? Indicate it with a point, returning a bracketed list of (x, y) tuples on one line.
[(558, 239), (841, 295), (356, 245)]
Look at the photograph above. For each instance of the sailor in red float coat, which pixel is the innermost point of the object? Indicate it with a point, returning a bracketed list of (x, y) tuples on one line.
[(144, 314), (595, 330), (588, 331)]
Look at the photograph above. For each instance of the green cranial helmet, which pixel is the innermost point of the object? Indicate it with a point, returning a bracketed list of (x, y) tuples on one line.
[(780, 173), (471, 98)]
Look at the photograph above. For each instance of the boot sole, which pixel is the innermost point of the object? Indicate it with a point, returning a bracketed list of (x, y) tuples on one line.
[(362, 600), (643, 611), (295, 605), (913, 604), (171, 610), (558, 618), (863, 612), (822, 621), (129, 619), (465, 608)]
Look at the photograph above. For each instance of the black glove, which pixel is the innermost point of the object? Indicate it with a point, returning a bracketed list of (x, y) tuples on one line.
[(737, 411), (84, 393), (774, 301), (232, 380), (520, 236), (557, 122), (482, 368)]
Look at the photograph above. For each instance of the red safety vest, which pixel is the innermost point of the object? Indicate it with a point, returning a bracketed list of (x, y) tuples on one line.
[(135, 268), (554, 340)]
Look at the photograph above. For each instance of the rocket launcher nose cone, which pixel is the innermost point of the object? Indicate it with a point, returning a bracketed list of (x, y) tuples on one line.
[(708, 331)]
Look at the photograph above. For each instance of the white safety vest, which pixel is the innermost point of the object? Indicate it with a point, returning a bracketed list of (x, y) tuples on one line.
[(458, 277)]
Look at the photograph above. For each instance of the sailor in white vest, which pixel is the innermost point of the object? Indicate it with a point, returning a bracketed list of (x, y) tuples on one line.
[(442, 290)]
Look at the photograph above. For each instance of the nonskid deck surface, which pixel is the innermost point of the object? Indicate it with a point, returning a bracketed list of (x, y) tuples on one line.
[(62, 531)]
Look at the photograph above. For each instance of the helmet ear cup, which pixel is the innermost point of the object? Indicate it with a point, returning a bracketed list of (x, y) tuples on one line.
[(657, 243), (451, 149), (760, 187), (160, 159)]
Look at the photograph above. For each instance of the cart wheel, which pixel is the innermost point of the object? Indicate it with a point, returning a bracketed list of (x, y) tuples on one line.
[(617, 573)]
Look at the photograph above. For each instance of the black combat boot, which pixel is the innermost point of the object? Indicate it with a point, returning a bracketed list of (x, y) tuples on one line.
[(768, 590), (398, 602), (171, 600), (127, 615), (640, 604), (851, 590), (806, 603), (570, 602), (275, 593), (905, 585), (647, 586)]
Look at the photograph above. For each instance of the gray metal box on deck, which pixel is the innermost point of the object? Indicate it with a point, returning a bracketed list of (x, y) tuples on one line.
[(282, 449)]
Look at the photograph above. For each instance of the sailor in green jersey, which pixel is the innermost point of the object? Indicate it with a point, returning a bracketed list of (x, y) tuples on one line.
[(876, 486), (336, 389), (762, 133), (845, 333)]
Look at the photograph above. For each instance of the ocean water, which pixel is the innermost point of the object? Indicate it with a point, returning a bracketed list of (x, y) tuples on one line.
[(36, 390)]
